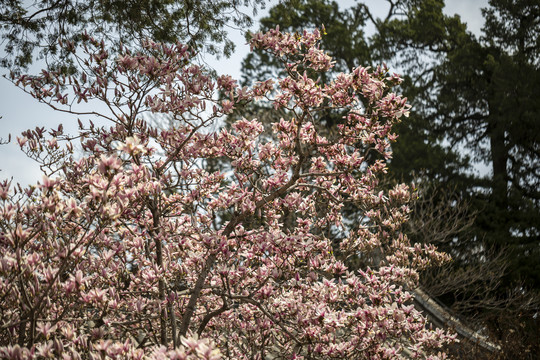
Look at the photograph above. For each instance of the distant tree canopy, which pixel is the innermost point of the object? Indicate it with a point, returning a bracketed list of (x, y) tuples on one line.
[(33, 31), (485, 98)]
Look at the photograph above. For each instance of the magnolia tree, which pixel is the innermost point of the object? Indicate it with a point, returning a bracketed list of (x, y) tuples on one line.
[(132, 247)]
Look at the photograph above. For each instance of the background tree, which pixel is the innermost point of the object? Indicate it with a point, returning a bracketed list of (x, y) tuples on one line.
[(479, 97)]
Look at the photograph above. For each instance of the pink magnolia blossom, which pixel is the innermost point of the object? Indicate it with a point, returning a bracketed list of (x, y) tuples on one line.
[(143, 247)]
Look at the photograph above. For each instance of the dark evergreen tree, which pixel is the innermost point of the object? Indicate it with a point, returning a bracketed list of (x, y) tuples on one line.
[(488, 100)]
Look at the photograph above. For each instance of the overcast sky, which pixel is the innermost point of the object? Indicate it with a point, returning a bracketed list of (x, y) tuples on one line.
[(19, 111)]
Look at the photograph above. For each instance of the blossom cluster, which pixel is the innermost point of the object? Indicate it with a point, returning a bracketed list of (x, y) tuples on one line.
[(190, 241)]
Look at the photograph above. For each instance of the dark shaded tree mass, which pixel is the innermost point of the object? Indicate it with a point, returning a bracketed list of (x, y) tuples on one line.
[(488, 101)]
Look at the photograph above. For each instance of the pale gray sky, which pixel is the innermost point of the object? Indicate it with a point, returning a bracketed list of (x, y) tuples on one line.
[(19, 111)]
